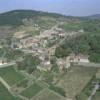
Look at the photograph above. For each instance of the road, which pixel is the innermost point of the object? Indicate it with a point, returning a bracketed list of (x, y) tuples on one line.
[(27, 51), (7, 65), (92, 65)]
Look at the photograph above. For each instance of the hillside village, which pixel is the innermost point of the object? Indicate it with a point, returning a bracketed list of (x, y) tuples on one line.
[(43, 46), (38, 63), (39, 46)]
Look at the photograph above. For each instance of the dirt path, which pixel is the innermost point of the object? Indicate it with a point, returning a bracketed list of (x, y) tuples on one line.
[(5, 83), (94, 92)]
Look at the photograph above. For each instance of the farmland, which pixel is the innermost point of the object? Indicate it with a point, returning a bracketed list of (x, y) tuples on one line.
[(97, 96), (46, 50), (31, 91), (10, 75), (47, 94), (75, 80), (5, 95)]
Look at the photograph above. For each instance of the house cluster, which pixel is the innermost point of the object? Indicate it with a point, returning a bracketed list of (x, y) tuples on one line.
[(72, 58), (3, 61), (38, 46), (79, 58)]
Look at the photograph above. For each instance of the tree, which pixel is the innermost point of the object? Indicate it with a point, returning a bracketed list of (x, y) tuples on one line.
[(55, 67), (94, 57), (29, 63), (61, 52)]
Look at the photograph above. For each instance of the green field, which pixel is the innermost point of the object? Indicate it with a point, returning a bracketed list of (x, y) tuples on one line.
[(32, 90), (75, 80), (47, 94), (10, 75), (5, 95), (71, 26)]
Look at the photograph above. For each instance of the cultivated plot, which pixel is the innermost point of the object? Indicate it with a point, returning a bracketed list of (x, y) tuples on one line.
[(75, 80), (32, 90), (10, 75), (47, 94)]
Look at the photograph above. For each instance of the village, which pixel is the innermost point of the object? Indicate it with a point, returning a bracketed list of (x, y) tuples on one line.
[(43, 46)]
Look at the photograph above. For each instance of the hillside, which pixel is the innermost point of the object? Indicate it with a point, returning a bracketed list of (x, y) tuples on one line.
[(16, 17), (96, 16), (40, 53), (34, 22), (28, 20)]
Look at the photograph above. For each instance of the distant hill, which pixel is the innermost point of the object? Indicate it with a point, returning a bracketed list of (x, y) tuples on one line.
[(96, 16), (15, 17)]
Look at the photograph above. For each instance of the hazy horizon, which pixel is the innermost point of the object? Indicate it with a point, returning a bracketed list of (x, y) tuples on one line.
[(65, 7)]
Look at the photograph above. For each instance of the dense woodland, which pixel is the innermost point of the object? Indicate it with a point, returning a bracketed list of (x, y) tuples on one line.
[(87, 43)]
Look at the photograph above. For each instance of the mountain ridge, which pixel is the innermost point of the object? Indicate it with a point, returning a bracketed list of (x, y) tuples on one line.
[(11, 17)]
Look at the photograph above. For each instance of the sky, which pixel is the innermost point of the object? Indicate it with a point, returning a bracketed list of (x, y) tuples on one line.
[(66, 7)]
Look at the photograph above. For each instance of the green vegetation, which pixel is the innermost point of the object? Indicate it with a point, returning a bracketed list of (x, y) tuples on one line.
[(52, 84), (95, 57), (71, 26), (10, 75), (58, 90), (87, 43), (31, 91), (16, 17), (34, 33), (86, 25), (62, 52), (4, 94), (86, 92), (55, 68), (48, 77), (29, 63), (10, 54), (23, 83)]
